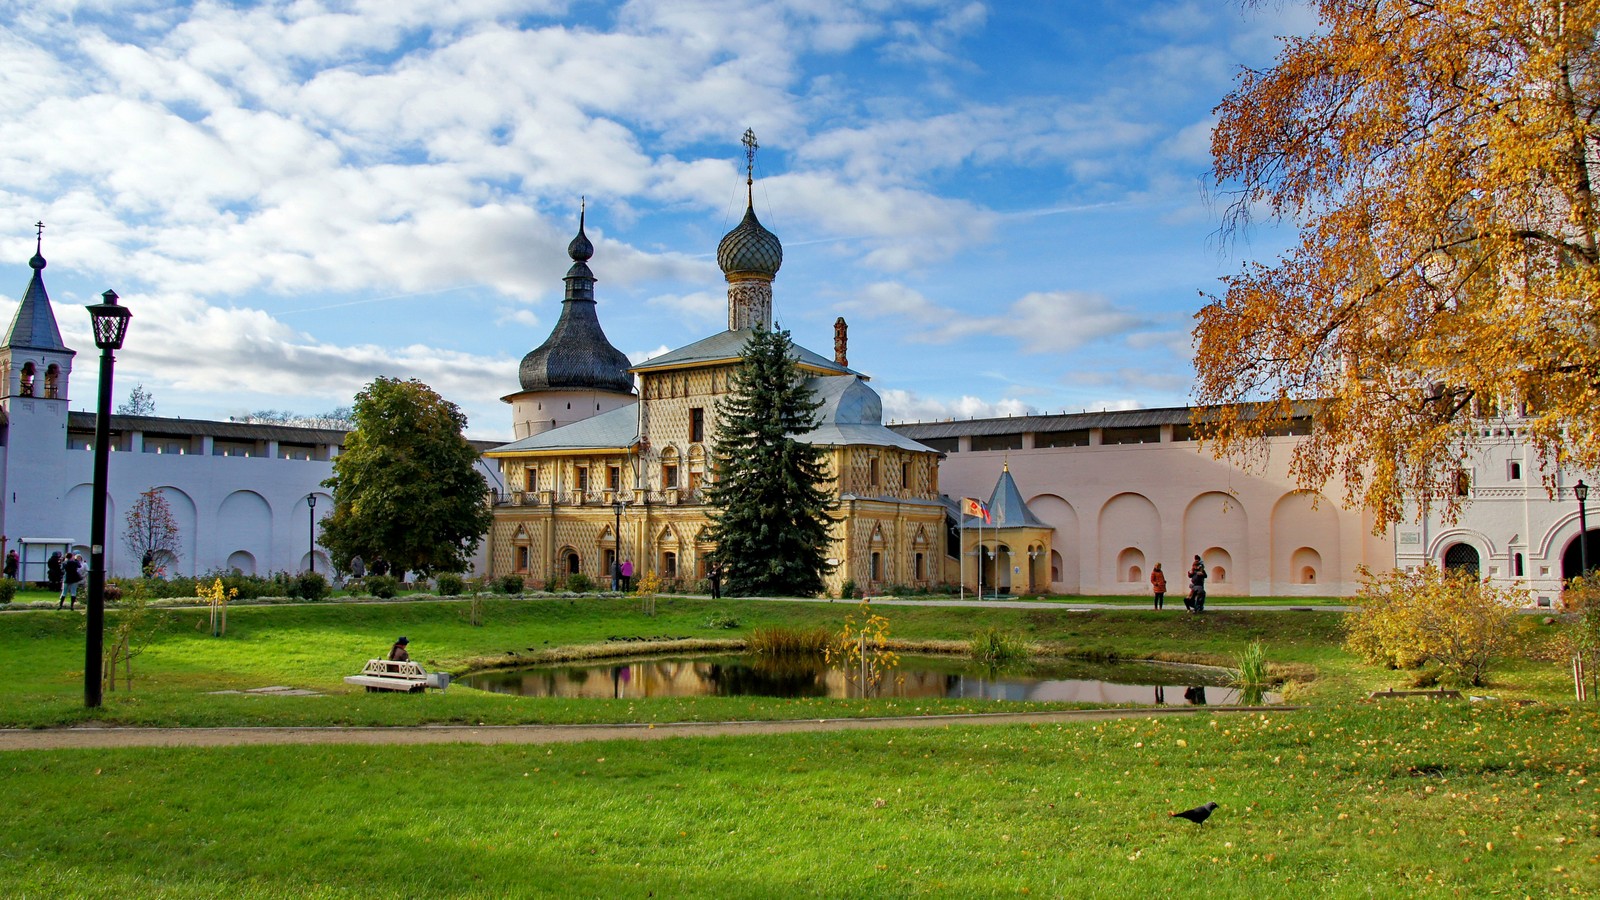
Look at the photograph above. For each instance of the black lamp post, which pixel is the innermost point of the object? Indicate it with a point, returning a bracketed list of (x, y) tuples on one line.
[(311, 531), (616, 554), (110, 323), (1581, 491)]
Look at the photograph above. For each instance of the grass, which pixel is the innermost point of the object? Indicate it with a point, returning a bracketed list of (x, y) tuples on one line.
[(1401, 798), (314, 645)]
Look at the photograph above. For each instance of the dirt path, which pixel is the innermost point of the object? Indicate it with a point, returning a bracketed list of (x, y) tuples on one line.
[(96, 737)]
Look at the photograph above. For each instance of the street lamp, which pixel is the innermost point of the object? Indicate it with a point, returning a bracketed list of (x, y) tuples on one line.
[(616, 553), (110, 323), (1581, 491), (311, 530)]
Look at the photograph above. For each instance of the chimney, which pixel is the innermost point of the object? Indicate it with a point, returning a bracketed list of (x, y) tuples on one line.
[(840, 339)]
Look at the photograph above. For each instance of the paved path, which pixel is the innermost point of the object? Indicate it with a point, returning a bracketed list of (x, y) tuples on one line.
[(97, 737)]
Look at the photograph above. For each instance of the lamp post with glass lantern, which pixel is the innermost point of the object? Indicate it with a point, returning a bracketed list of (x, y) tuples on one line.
[(110, 323), (616, 552), (311, 530), (1581, 491)]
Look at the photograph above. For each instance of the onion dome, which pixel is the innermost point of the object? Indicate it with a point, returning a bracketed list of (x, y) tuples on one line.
[(750, 249), (577, 356)]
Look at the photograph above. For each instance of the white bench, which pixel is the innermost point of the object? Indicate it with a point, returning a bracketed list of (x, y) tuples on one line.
[(393, 675)]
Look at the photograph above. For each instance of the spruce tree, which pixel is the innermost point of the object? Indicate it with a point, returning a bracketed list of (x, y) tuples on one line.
[(770, 510)]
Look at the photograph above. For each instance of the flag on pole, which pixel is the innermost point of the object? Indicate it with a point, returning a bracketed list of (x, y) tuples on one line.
[(977, 508)]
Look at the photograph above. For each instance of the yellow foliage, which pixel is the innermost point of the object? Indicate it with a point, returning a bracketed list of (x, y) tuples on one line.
[(1439, 160), (862, 649), (217, 597), (649, 585), (1446, 617)]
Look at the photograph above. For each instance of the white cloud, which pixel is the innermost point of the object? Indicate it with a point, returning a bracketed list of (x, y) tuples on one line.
[(908, 406)]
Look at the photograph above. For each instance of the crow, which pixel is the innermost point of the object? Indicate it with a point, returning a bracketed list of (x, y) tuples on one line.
[(1197, 815)]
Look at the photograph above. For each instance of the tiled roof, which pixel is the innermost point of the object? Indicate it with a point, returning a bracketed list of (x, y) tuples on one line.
[(725, 346)]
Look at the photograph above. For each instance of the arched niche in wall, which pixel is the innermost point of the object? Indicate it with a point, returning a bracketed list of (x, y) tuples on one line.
[(1064, 573), (1128, 521), (1215, 527), (1304, 520)]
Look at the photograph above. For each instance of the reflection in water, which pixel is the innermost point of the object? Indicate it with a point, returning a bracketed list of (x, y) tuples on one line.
[(805, 676)]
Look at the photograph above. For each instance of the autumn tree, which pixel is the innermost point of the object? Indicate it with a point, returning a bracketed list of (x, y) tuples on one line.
[(151, 533), (769, 507), (1437, 159), (406, 487), (1444, 617)]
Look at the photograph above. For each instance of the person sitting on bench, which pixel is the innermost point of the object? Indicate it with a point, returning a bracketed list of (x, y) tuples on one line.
[(398, 653)]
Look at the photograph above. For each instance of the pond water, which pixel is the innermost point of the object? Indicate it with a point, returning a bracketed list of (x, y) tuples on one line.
[(731, 675)]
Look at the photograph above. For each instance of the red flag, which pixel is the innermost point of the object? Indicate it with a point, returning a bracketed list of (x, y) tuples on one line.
[(977, 508)]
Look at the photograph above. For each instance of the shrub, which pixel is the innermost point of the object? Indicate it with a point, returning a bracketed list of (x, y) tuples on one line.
[(509, 584), (721, 620), (580, 583), (554, 583), (1449, 618), (450, 584), (994, 647), (847, 590), (8, 590), (309, 586), (383, 586)]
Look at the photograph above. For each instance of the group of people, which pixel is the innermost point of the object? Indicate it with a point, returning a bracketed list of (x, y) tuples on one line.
[(66, 571), (359, 568), (1195, 600)]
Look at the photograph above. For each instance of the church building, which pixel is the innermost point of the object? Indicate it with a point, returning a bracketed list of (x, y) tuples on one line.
[(599, 475)]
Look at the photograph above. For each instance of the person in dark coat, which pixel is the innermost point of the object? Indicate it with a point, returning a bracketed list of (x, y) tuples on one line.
[(13, 563), (71, 577), (1197, 586), (380, 566), (398, 652), (714, 575), (52, 571)]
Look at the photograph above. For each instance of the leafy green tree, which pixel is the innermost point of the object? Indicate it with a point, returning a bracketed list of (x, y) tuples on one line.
[(770, 508), (406, 487)]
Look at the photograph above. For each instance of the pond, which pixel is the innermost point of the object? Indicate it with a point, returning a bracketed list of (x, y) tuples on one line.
[(732, 675)]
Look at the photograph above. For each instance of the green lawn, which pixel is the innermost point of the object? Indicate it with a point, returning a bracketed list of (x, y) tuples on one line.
[(1346, 798), (313, 646), (1394, 799)]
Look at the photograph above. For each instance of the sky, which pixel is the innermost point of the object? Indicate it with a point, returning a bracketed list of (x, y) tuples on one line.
[(1007, 202)]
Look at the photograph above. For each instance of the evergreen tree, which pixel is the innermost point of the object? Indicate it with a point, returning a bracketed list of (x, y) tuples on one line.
[(406, 487), (770, 509)]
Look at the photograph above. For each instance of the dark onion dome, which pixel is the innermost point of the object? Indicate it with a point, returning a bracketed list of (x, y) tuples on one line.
[(750, 249), (577, 356)]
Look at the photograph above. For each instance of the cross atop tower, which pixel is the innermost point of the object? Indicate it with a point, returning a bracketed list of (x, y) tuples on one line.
[(40, 226), (750, 146)]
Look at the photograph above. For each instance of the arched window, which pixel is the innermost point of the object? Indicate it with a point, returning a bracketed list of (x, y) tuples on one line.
[(26, 387), (669, 564), (877, 566), (1462, 558), (52, 379), (574, 564), (918, 568)]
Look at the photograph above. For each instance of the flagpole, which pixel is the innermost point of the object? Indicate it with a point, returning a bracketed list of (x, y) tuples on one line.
[(961, 552)]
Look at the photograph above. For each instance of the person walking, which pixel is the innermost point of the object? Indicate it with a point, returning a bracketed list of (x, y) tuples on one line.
[(627, 574), (13, 563), (714, 575), (1197, 586), (1158, 583), (358, 567), (52, 571), (71, 577)]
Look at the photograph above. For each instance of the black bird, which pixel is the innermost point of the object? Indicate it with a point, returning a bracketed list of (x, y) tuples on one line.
[(1197, 815)]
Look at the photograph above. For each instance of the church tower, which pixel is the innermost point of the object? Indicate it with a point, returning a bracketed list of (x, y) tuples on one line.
[(750, 256), (34, 370), (576, 373)]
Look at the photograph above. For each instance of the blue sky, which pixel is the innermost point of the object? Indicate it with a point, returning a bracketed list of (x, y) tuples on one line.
[(1005, 201)]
